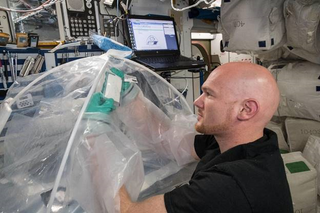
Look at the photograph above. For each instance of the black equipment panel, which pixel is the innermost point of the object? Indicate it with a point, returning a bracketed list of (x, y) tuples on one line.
[(81, 17)]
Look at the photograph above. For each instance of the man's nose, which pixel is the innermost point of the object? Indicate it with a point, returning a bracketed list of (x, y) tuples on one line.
[(199, 102)]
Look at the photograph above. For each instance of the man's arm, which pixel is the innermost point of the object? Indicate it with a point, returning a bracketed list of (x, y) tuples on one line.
[(153, 204), (159, 133)]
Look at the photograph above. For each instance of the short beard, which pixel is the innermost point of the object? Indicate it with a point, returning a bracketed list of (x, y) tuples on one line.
[(215, 129)]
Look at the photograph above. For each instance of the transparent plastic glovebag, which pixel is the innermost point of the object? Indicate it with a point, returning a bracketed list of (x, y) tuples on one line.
[(60, 158)]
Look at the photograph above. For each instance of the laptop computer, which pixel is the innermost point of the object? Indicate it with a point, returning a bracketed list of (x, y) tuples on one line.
[(154, 42)]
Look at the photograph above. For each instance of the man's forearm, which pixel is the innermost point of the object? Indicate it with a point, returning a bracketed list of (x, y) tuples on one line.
[(153, 204)]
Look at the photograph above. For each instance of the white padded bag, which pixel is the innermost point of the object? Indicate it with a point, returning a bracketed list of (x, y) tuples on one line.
[(302, 179), (252, 25), (298, 131), (311, 152), (303, 28), (299, 85), (273, 55), (278, 130)]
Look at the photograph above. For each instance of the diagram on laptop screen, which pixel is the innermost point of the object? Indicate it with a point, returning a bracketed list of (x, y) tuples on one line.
[(151, 40), (152, 34)]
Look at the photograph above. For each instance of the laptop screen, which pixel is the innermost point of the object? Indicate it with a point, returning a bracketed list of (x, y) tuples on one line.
[(152, 34)]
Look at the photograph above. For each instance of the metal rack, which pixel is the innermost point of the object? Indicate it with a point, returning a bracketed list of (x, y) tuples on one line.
[(51, 60)]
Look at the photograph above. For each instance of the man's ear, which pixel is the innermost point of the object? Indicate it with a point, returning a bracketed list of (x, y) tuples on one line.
[(248, 110)]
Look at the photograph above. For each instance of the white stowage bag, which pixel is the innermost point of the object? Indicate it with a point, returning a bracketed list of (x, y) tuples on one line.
[(303, 28), (273, 55), (311, 152), (60, 156), (298, 131), (277, 128), (252, 26), (302, 179), (299, 89)]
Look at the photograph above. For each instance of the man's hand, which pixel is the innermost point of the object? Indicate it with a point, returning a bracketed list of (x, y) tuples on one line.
[(153, 204)]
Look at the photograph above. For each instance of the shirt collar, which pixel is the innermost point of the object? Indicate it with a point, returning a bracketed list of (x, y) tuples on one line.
[(267, 143)]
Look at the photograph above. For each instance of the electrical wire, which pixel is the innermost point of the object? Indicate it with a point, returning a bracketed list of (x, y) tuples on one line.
[(185, 77), (25, 4), (116, 20), (41, 7), (116, 33), (209, 2), (191, 6), (30, 12), (186, 88), (176, 99), (182, 77), (176, 72), (130, 5)]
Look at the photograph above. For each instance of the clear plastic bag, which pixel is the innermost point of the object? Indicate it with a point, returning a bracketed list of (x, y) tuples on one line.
[(60, 158)]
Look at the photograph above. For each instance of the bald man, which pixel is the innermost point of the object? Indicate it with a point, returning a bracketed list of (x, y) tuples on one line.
[(240, 167)]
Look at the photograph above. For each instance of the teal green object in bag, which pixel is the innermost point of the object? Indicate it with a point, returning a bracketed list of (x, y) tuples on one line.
[(98, 103)]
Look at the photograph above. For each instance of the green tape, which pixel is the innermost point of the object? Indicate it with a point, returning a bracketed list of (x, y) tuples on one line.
[(282, 151), (297, 167)]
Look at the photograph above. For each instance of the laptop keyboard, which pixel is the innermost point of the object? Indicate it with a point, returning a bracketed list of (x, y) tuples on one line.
[(171, 59)]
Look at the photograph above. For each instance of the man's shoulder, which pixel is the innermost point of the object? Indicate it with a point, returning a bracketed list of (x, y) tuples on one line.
[(264, 172), (208, 192)]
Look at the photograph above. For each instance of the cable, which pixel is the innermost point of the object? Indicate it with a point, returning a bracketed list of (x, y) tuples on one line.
[(186, 88), (124, 7), (124, 37), (193, 89), (130, 5), (176, 72), (185, 77), (177, 9), (176, 99), (25, 4), (209, 2), (115, 28), (178, 34), (117, 19), (191, 6), (41, 7), (182, 77), (31, 12)]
